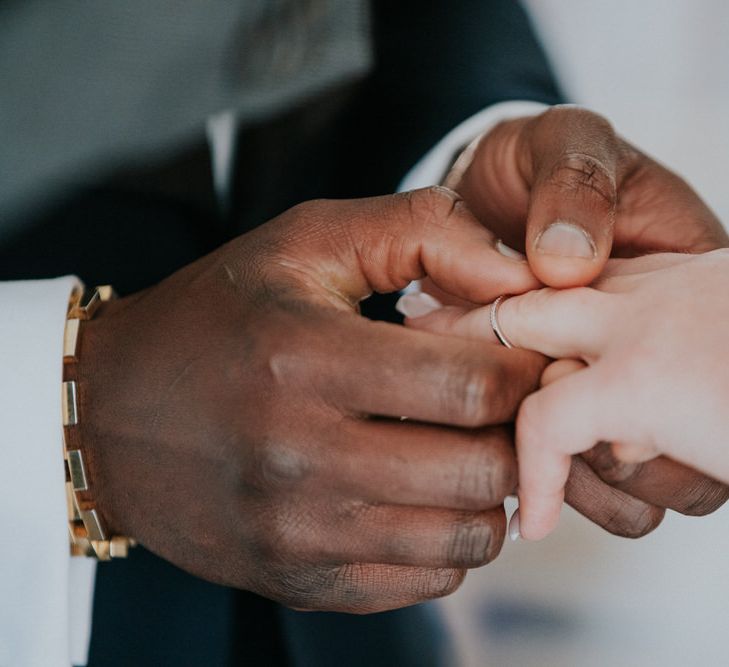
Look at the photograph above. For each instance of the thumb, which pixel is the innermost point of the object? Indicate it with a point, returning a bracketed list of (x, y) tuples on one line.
[(571, 156), (383, 243)]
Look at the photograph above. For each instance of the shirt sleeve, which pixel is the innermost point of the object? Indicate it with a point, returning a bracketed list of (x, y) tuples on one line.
[(46, 598)]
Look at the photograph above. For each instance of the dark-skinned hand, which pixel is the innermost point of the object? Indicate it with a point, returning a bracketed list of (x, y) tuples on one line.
[(242, 420)]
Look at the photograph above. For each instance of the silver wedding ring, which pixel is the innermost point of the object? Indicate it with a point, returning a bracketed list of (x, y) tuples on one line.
[(494, 318)]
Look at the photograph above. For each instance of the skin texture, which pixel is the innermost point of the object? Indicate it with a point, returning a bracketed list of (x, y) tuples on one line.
[(242, 420), (568, 164)]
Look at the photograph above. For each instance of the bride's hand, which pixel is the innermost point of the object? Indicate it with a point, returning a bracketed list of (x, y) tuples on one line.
[(654, 338)]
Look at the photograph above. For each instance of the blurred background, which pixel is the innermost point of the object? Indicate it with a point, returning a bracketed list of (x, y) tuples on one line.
[(659, 69)]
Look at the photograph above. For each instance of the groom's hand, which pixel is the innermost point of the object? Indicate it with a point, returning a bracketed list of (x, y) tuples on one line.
[(242, 420), (563, 188)]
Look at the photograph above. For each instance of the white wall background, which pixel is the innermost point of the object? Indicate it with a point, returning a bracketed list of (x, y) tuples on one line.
[(659, 69)]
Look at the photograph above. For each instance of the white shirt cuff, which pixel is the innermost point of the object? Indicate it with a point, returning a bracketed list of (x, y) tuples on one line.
[(46, 599)]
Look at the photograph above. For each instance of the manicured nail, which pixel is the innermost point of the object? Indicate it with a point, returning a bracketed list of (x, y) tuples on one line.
[(417, 304), (506, 251), (514, 528), (567, 240)]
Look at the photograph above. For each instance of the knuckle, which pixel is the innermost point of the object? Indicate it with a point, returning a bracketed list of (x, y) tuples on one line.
[(578, 173), (433, 205), (703, 497), (282, 465), (609, 469), (349, 587), (302, 587), (311, 223), (356, 512), (307, 209), (488, 474), (439, 582), (589, 149), (634, 521), (469, 543), (469, 393)]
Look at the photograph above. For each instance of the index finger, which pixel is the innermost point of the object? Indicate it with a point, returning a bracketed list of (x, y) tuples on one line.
[(381, 244)]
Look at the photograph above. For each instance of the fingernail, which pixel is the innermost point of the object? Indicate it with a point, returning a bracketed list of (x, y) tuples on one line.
[(417, 304), (567, 240), (506, 251), (514, 527)]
